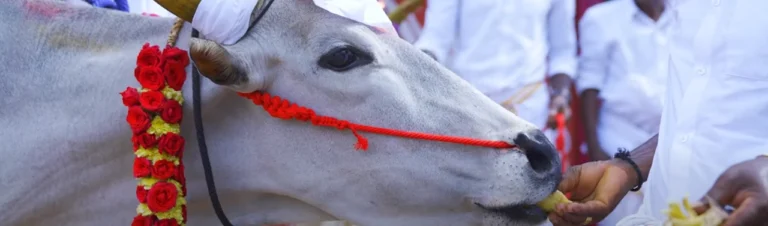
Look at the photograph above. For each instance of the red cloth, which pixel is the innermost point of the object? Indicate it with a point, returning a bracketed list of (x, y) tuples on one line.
[(576, 127)]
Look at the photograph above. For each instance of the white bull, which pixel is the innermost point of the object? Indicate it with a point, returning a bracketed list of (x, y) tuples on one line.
[(65, 149)]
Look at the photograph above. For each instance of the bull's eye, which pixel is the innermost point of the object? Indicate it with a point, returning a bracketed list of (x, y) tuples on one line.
[(343, 59)]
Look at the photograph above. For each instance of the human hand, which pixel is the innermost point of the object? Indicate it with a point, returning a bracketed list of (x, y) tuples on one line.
[(745, 187), (596, 188), (597, 154), (558, 104)]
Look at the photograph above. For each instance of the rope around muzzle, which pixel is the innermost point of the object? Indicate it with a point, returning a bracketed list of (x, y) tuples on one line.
[(284, 109)]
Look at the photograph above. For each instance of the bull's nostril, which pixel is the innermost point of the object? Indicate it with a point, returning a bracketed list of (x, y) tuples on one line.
[(540, 152)]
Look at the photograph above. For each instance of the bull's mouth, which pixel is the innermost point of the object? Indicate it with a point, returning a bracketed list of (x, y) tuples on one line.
[(519, 212)]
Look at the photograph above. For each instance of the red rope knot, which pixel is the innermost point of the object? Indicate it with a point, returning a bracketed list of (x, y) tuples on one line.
[(362, 142), (302, 113)]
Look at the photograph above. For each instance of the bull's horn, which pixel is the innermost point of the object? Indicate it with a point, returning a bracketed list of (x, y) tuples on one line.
[(184, 9)]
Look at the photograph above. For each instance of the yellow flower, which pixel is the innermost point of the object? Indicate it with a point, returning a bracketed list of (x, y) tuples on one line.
[(160, 127), (147, 182), (154, 155), (172, 94), (173, 213), (143, 209)]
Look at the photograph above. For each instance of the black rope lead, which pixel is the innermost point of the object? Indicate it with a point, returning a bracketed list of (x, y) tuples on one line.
[(196, 105), (200, 132)]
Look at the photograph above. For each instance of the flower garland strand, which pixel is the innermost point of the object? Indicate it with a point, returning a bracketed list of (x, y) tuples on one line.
[(154, 115)]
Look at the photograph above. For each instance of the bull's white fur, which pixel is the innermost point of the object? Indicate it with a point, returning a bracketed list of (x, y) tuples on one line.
[(65, 151)]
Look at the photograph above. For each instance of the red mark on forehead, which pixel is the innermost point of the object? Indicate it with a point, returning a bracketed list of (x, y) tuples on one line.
[(378, 30), (43, 9)]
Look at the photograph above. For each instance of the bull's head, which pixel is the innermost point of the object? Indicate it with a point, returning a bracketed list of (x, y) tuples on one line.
[(355, 72)]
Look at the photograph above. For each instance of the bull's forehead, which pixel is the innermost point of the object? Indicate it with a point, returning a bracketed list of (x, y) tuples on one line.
[(307, 21), (302, 25)]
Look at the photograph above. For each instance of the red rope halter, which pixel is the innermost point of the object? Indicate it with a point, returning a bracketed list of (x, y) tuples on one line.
[(284, 109)]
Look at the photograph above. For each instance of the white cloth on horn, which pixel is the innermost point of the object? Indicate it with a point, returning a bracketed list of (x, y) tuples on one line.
[(223, 21)]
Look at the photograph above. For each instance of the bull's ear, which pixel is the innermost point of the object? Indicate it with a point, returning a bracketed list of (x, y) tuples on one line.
[(216, 63)]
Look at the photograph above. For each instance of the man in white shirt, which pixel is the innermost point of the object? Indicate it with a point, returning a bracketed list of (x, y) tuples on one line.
[(507, 49), (713, 123), (623, 64)]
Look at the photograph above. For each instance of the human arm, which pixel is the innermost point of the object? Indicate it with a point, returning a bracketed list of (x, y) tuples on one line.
[(592, 71), (590, 113), (561, 40), (745, 187), (440, 28), (597, 187)]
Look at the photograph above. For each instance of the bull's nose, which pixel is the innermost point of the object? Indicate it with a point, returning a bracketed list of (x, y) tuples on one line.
[(540, 152)]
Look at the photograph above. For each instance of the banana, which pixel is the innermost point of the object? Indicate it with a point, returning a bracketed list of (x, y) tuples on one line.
[(714, 216), (548, 204)]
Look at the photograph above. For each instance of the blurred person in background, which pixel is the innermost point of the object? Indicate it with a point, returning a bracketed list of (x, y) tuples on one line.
[(507, 50), (621, 78), (712, 140)]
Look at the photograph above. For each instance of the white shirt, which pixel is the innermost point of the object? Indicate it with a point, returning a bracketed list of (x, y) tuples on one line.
[(149, 7), (369, 12), (501, 45), (624, 56), (716, 111)]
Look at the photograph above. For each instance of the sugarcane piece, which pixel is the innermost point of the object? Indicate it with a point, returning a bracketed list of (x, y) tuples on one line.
[(714, 216)]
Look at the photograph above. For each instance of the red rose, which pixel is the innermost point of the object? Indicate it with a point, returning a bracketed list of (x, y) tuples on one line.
[(175, 76), (135, 144), (135, 141), (137, 119), (152, 100), (172, 144), (175, 56), (163, 169), (181, 178), (145, 140), (167, 222), (130, 96), (171, 112), (141, 194), (149, 56), (150, 77), (162, 197), (141, 167), (184, 213), (140, 220)]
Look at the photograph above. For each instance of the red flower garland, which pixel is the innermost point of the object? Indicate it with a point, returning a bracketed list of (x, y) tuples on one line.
[(162, 197), (154, 115)]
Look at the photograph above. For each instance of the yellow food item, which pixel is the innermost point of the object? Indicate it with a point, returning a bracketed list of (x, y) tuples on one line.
[(714, 216), (548, 204), (404, 9)]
